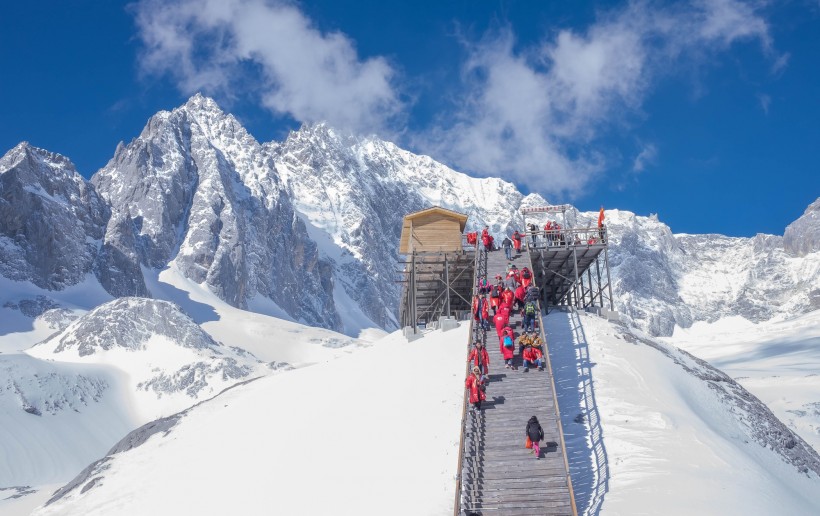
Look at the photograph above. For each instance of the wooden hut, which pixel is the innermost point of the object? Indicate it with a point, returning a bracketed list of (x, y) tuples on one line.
[(435, 229)]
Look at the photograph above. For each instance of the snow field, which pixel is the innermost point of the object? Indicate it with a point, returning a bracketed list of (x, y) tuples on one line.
[(669, 445), (373, 432)]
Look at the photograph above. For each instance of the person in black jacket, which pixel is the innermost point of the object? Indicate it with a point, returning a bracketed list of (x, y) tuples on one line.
[(536, 435)]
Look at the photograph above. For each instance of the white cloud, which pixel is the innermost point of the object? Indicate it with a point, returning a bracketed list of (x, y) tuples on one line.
[(647, 156), (272, 49), (534, 114)]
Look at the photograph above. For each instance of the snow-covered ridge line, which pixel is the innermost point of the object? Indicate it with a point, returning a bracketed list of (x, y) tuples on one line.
[(312, 225)]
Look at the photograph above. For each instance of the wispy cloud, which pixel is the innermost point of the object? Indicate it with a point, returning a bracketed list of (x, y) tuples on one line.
[(534, 114), (646, 157), (223, 46)]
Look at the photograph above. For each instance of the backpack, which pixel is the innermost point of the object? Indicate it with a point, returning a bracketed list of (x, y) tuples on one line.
[(508, 343), (495, 292), (529, 308)]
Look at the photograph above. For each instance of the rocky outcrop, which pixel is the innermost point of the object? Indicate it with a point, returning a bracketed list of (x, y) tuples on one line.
[(51, 219), (803, 235)]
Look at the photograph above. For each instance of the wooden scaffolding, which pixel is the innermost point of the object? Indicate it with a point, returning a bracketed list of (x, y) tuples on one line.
[(438, 269)]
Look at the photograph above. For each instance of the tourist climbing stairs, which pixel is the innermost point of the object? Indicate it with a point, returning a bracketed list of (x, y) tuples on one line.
[(498, 475)]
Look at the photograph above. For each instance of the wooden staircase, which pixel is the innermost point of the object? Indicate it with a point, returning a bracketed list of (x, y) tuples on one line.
[(498, 475)]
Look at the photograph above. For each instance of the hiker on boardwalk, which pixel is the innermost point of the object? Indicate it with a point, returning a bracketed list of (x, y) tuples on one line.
[(507, 298), (501, 320), (507, 346), (536, 342), (480, 358), (483, 285), (532, 357), (520, 294), (535, 434), (523, 341), (529, 312), (476, 386), (532, 294), (516, 238), (495, 297), (486, 238), (485, 314), (507, 245), (526, 277)]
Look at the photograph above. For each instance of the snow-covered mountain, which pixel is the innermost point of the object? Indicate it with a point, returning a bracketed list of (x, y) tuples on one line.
[(186, 264), (312, 225), (196, 189)]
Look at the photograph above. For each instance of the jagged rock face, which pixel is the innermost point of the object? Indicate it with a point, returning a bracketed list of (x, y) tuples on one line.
[(200, 192), (661, 280), (129, 322), (359, 189), (803, 235), (51, 219), (146, 329)]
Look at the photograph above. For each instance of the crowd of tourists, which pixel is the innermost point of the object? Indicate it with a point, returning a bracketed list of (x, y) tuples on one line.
[(513, 293)]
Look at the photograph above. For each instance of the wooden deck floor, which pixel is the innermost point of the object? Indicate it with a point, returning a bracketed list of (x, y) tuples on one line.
[(500, 476)]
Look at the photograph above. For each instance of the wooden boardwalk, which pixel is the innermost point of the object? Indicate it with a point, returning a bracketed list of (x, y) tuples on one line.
[(498, 475)]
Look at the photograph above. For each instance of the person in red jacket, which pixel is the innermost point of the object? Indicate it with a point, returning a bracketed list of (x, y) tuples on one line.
[(480, 358), (507, 298), (500, 321), (526, 277), (485, 314), (475, 384), (507, 346), (532, 356), (516, 238), (520, 294)]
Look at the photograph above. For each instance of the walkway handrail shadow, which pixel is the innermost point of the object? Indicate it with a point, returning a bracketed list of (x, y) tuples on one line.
[(572, 370)]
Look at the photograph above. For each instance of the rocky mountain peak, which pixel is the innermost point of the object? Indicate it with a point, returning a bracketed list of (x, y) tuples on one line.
[(802, 236)]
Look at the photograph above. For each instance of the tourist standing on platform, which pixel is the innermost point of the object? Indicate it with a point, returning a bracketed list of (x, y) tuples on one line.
[(475, 384), (507, 245), (533, 232), (532, 356), (536, 434), (480, 358), (548, 233)]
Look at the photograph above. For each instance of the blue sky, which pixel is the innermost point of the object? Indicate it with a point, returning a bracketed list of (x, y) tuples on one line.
[(704, 112)]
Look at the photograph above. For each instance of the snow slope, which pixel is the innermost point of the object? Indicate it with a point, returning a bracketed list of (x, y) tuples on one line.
[(374, 432), (652, 430), (779, 362)]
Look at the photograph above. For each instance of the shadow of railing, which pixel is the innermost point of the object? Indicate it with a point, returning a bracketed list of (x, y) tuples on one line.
[(572, 370)]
